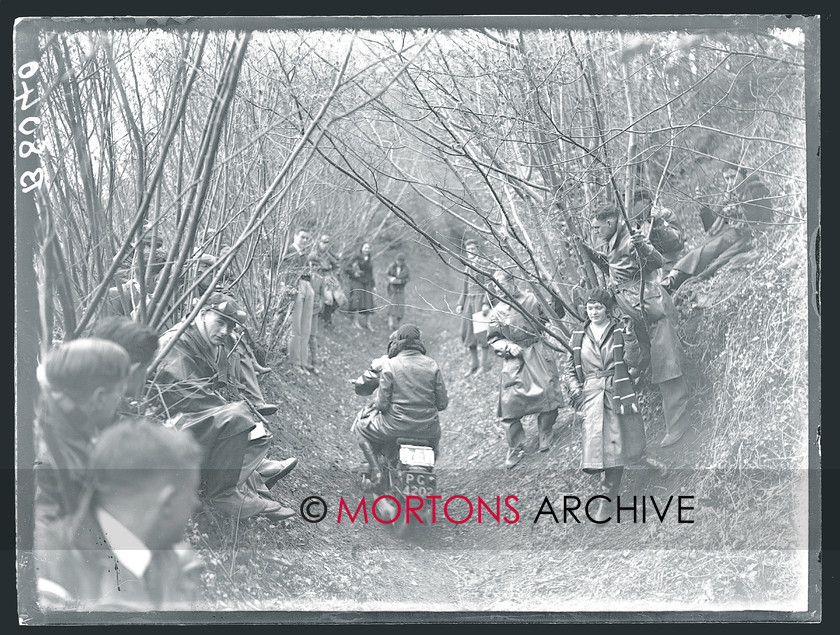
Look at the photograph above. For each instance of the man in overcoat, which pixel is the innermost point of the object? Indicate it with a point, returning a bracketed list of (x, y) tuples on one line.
[(235, 468), (398, 276), (731, 225), (245, 368), (529, 382)]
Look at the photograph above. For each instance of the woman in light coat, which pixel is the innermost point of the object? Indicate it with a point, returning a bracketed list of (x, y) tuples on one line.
[(603, 351)]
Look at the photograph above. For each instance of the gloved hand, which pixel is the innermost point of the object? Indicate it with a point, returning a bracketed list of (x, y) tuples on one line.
[(576, 397), (640, 240), (514, 350)]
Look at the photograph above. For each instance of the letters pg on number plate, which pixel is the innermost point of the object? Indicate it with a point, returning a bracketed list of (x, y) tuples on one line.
[(419, 483)]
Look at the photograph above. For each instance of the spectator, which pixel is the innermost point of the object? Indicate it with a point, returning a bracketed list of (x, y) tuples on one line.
[(739, 215), (398, 277), (116, 553), (318, 288), (599, 380), (359, 270), (236, 472), (242, 350), (472, 300), (138, 340), (529, 382), (661, 227), (82, 383), (297, 277), (124, 297), (579, 294), (328, 268), (661, 347)]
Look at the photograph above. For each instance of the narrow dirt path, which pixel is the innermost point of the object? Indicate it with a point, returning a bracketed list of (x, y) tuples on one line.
[(488, 565)]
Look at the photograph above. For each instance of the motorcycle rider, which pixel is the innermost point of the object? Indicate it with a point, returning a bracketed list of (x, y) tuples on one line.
[(409, 393)]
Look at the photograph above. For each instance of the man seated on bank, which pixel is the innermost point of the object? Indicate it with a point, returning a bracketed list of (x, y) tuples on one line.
[(245, 365), (221, 446), (731, 224), (237, 473)]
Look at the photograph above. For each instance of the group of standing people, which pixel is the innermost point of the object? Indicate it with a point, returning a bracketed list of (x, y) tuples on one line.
[(629, 329), (312, 276)]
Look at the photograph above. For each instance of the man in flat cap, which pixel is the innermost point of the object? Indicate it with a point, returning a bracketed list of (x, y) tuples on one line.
[(244, 367), (236, 472)]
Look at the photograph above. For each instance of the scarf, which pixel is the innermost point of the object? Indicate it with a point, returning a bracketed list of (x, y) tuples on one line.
[(405, 338), (625, 401)]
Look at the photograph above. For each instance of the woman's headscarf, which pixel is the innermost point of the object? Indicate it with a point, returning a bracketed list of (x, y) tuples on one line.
[(405, 338)]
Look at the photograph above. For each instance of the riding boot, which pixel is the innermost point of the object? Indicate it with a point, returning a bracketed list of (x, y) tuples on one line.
[(545, 425), (610, 484), (370, 456), (611, 481)]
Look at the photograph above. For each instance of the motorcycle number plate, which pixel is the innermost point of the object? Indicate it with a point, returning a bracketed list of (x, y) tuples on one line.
[(419, 484)]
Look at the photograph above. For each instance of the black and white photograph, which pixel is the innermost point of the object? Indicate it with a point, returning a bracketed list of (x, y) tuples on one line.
[(417, 319)]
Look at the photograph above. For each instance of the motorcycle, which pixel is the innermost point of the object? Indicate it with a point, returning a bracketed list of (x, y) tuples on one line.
[(404, 468)]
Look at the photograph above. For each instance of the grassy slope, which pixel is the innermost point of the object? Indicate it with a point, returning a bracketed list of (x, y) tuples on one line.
[(737, 463)]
